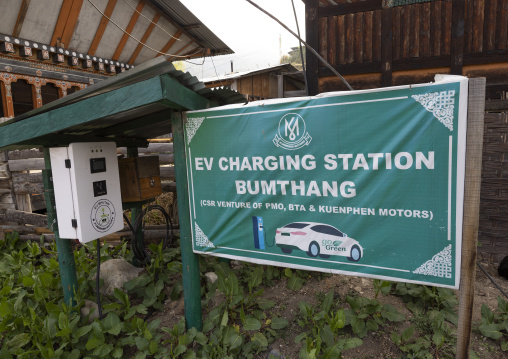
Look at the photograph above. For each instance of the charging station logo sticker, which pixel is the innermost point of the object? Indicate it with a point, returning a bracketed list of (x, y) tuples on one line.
[(292, 132), (103, 215)]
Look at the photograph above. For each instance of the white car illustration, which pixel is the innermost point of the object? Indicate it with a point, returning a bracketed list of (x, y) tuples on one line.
[(317, 239)]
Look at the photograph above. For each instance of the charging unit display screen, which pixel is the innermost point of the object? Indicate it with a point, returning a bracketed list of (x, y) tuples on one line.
[(97, 165), (87, 190)]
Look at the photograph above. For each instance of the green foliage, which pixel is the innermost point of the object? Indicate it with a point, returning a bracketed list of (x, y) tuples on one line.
[(35, 322), (434, 321), (324, 334), (494, 325)]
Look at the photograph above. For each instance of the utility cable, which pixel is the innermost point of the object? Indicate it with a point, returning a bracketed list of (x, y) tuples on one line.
[(306, 44), (167, 33), (211, 58), (199, 49), (301, 52), (491, 279)]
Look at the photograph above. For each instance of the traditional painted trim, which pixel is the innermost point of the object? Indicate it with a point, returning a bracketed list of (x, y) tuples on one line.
[(7, 78)]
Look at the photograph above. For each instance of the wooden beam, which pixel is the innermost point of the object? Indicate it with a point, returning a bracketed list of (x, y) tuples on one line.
[(312, 37), (475, 117), (350, 8), (170, 43), (21, 18), (71, 23), (128, 30), (458, 39), (173, 57), (102, 27), (66, 22), (144, 38)]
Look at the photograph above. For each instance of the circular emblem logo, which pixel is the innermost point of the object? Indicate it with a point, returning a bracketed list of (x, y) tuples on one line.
[(103, 215), (292, 133)]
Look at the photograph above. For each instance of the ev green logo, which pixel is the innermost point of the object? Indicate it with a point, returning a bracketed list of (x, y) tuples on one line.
[(292, 133)]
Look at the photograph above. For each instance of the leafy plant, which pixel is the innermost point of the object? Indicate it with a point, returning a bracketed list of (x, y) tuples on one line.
[(494, 325)]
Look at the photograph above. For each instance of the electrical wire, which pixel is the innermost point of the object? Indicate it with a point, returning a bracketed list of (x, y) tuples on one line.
[(167, 33), (491, 279), (216, 72), (97, 278), (201, 64), (142, 43), (303, 42)]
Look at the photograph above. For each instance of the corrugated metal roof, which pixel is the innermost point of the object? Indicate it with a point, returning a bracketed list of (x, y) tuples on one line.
[(193, 25), (236, 75)]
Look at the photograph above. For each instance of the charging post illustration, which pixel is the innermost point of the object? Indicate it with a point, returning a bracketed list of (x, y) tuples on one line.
[(259, 232)]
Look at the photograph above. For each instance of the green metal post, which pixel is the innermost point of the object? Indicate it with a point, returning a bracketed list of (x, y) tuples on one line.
[(63, 245), (136, 209), (190, 260)]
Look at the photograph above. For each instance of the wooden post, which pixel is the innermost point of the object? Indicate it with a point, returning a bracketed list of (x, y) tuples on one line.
[(190, 260), (475, 116), (63, 245)]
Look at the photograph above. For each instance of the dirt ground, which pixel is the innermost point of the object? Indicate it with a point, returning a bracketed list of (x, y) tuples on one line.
[(375, 344)]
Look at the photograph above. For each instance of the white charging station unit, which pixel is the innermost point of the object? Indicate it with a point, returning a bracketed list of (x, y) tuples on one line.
[(87, 190)]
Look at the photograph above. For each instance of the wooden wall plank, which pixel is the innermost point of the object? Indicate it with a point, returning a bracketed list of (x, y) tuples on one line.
[(468, 26), (387, 49), (368, 35), (436, 28), (358, 37), (425, 30), (397, 44), (341, 38), (414, 47), (489, 26), (350, 50), (376, 36), (478, 18), (502, 24), (405, 17), (457, 37), (332, 40), (323, 45), (447, 26)]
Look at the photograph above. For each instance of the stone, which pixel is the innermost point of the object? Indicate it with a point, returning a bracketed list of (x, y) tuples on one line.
[(275, 354), (114, 273), (211, 277), (90, 308)]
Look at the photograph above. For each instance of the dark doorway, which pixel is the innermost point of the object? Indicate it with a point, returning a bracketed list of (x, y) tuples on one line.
[(22, 99), (49, 93)]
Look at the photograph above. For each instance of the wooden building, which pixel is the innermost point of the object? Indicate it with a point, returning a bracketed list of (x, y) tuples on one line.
[(270, 82), (50, 48), (376, 43)]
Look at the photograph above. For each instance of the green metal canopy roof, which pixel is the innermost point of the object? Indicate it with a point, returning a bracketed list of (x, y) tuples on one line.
[(128, 109)]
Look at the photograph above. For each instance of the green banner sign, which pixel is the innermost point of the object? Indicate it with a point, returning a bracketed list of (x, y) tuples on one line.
[(366, 183)]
